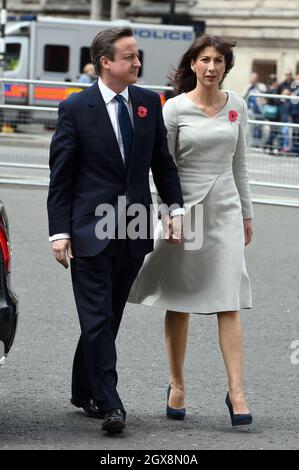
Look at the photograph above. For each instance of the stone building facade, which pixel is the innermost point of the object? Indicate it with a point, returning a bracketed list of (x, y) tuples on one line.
[(69, 8), (266, 31)]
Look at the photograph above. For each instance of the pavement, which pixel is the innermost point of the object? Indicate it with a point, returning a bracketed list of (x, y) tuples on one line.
[(35, 412)]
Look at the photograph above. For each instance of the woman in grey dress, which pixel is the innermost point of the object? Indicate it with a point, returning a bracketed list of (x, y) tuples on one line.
[(207, 137)]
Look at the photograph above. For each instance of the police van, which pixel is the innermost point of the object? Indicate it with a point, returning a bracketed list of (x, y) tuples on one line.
[(56, 49)]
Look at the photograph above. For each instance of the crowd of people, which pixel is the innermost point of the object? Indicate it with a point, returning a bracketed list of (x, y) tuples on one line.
[(279, 139)]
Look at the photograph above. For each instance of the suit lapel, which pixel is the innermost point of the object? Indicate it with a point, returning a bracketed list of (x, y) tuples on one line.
[(103, 124)]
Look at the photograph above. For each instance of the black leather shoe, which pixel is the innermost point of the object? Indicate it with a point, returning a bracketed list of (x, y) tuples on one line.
[(90, 406), (114, 421)]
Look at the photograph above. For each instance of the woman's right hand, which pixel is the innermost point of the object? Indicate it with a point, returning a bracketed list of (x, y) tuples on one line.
[(173, 228), (248, 231)]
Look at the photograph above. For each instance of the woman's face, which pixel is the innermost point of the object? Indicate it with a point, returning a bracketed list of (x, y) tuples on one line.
[(209, 67)]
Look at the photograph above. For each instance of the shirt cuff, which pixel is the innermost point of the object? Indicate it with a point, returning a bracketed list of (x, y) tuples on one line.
[(180, 211), (59, 236)]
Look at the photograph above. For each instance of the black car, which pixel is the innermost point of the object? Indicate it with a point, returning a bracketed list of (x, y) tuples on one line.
[(8, 300)]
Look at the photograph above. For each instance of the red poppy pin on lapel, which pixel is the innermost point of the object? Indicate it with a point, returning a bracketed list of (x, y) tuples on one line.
[(233, 116), (142, 111)]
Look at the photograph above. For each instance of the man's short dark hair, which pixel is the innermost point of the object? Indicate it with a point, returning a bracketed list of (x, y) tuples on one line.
[(103, 45)]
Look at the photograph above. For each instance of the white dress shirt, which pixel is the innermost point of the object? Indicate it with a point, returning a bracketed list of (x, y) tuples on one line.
[(112, 108)]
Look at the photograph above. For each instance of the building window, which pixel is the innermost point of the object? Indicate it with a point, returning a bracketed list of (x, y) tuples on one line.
[(264, 68), (106, 8), (56, 58)]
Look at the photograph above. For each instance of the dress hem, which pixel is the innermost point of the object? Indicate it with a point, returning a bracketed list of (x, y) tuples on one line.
[(175, 309)]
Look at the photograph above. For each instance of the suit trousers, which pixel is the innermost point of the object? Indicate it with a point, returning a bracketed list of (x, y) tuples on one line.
[(101, 286)]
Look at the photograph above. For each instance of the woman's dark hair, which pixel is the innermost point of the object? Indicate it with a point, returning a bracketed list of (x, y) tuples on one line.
[(103, 45), (184, 79)]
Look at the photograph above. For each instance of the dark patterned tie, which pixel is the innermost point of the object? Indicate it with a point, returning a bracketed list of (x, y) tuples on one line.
[(125, 126)]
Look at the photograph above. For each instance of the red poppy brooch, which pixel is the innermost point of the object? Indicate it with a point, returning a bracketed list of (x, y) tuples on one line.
[(142, 111), (233, 116)]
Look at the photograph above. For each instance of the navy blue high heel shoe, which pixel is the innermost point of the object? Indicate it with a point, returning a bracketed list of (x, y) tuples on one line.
[(174, 413), (237, 419)]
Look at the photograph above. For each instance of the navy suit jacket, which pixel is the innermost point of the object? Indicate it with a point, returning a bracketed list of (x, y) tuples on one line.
[(87, 168)]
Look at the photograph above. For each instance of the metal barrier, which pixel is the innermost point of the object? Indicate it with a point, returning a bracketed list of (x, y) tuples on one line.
[(25, 139), (73, 84), (294, 98), (273, 154), (26, 131), (47, 92), (273, 145)]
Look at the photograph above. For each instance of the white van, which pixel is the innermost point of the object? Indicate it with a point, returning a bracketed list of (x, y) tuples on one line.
[(57, 49)]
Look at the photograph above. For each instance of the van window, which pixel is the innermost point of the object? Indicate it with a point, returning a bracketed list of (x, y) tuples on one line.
[(12, 56), (141, 57), (56, 58), (84, 57)]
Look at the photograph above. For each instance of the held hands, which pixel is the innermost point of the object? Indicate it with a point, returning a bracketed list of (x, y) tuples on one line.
[(247, 230), (60, 249), (173, 228)]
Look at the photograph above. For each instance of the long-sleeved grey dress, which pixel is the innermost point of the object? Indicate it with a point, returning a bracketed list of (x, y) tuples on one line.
[(211, 158)]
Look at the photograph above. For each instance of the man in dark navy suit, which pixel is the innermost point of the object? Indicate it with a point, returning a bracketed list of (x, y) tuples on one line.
[(106, 140)]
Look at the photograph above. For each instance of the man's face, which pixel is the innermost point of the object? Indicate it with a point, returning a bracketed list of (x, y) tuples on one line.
[(123, 68)]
